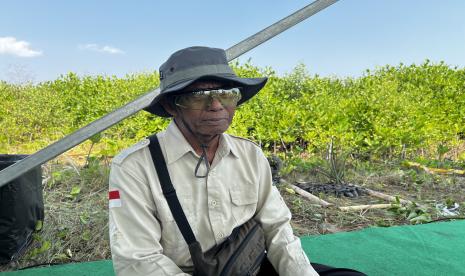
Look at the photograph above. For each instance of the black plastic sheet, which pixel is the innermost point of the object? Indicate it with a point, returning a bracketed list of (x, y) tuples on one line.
[(21, 206)]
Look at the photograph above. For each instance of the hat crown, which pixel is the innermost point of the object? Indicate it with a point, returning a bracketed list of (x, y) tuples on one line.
[(192, 57), (193, 62)]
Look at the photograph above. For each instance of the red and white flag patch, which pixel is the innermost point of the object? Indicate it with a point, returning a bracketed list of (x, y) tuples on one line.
[(114, 199)]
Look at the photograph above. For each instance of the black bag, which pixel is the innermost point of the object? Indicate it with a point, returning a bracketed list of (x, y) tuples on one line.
[(240, 254), (21, 206)]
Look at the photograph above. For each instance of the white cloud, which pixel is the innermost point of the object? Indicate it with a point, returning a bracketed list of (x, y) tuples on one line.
[(101, 49), (9, 45)]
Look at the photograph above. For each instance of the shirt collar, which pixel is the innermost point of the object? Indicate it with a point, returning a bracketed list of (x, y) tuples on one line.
[(176, 145), (228, 146)]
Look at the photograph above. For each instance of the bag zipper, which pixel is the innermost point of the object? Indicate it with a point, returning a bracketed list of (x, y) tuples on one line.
[(228, 265)]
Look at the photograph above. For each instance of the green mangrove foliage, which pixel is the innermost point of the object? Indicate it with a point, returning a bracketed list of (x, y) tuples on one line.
[(392, 111)]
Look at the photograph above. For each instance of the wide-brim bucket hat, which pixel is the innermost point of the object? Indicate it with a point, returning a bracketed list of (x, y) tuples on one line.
[(189, 65)]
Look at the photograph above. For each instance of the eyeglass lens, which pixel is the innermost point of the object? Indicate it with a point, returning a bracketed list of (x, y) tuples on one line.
[(203, 99)]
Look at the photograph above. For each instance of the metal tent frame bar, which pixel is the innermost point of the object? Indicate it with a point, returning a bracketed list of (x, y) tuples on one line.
[(12, 172)]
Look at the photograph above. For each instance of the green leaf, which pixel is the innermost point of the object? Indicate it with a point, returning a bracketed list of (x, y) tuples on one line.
[(75, 191), (421, 219), (412, 215), (62, 233), (290, 191), (46, 245), (61, 257), (96, 138), (39, 225), (86, 235), (84, 218)]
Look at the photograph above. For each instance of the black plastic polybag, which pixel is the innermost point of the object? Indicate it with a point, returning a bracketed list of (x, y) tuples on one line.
[(21, 206)]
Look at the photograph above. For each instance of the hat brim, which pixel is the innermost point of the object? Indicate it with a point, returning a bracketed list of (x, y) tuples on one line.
[(249, 87)]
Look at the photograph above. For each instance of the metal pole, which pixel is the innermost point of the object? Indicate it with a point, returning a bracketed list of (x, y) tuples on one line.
[(10, 173), (277, 28)]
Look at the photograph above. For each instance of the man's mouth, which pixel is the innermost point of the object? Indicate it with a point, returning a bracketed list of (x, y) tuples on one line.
[(214, 121)]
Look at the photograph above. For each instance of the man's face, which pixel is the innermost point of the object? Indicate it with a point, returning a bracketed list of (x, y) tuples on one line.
[(209, 121)]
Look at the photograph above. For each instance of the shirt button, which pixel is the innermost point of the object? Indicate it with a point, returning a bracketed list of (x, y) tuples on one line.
[(213, 203), (220, 235)]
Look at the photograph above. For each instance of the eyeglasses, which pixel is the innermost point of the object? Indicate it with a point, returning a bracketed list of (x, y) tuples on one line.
[(203, 99)]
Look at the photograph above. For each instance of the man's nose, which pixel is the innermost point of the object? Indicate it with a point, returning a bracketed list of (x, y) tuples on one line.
[(215, 104)]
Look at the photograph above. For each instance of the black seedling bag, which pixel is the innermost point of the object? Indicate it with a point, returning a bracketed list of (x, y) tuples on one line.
[(21, 206)]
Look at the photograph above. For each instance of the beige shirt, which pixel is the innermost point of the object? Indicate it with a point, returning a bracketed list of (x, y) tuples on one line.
[(145, 239)]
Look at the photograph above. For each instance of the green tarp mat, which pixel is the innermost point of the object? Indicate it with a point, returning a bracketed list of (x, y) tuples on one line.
[(429, 249)]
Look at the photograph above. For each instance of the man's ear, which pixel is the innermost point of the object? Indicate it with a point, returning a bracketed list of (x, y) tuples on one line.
[(168, 105)]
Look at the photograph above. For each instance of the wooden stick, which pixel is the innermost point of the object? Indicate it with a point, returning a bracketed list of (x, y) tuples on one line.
[(435, 170), (310, 197), (385, 196), (307, 195), (365, 207), (391, 198)]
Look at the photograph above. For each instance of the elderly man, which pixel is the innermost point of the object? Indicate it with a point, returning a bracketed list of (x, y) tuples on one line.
[(221, 181)]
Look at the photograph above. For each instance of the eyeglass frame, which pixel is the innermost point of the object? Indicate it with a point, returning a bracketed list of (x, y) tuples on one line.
[(212, 93)]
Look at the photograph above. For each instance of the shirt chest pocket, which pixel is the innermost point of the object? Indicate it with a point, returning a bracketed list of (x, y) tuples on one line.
[(244, 200)]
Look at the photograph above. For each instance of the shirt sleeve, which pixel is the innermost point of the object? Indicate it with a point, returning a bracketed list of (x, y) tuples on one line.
[(284, 249), (134, 230)]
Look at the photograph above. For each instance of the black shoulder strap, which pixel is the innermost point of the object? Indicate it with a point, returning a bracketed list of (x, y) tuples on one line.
[(168, 190)]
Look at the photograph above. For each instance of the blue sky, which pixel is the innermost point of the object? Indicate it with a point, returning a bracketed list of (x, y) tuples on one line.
[(40, 40)]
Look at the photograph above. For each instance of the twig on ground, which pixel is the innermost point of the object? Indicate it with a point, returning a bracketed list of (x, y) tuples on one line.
[(436, 170), (307, 195), (365, 207), (385, 196)]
